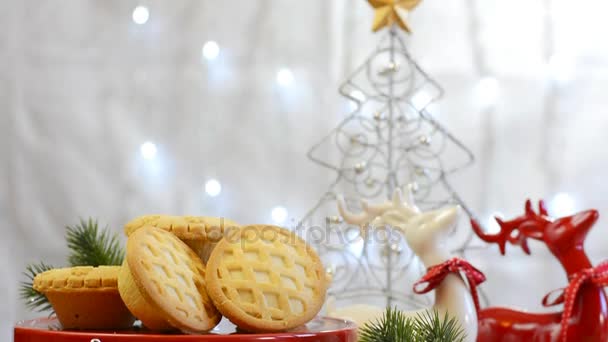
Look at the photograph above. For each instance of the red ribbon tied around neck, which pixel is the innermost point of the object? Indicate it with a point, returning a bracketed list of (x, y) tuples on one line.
[(437, 273), (597, 276)]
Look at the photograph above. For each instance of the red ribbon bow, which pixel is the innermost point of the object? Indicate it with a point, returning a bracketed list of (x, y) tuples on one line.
[(596, 275), (436, 274)]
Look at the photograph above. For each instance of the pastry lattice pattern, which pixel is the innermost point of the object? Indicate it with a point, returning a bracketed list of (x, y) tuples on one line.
[(183, 226), (78, 277), (270, 280), (177, 274)]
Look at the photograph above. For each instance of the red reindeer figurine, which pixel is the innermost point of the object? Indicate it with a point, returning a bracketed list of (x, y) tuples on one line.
[(586, 309)]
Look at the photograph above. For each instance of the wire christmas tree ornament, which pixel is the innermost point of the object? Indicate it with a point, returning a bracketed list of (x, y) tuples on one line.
[(391, 140)]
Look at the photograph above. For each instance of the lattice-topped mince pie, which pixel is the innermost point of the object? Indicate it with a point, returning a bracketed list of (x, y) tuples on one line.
[(85, 297), (162, 282), (264, 278)]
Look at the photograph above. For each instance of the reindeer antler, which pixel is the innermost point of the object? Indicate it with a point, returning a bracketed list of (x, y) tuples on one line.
[(370, 211), (518, 230), (350, 217), (407, 206)]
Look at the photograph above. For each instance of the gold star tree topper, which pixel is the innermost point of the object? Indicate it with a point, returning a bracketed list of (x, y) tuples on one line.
[(389, 12)]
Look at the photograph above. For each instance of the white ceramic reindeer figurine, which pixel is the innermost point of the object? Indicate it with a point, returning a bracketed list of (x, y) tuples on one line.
[(426, 234)]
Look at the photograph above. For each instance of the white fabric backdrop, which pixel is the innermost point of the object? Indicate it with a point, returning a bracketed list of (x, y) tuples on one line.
[(82, 87)]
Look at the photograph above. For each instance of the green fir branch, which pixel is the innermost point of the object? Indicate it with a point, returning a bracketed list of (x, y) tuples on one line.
[(395, 326), (34, 300), (90, 247), (431, 328)]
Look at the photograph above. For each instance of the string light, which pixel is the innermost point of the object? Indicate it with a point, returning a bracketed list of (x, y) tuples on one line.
[(210, 50), (141, 14), (561, 68), (279, 214), (421, 100), (357, 95), (285, 77), (213, 187), (492, 225), (148, 150), (562, 204), (486, 91), (356, 246)]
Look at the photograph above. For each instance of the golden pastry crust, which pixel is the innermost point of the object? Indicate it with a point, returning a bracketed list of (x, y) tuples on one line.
[(264, 278), (85, 297), (163, 283), (80, 278), (184, 227), (198, 232)]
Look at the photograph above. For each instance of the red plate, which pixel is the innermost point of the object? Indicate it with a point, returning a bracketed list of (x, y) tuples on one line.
[(321, 329)]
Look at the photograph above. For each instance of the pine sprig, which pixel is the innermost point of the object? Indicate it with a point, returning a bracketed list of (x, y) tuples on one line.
[(431, 328), (395, 326), (34, 300), (90, 247)]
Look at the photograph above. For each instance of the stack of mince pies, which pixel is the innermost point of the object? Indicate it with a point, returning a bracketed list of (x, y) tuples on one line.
[(186, 272)]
